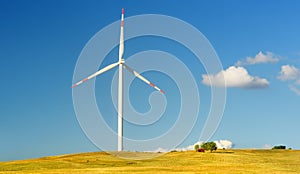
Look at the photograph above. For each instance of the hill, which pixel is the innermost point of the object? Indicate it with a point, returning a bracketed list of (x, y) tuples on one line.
[(221, 161)]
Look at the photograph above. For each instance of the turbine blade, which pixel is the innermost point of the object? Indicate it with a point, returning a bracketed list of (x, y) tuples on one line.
[(96, 73), (121, 46), (136, 74)]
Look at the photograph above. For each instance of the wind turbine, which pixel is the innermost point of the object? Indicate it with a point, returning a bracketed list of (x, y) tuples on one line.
[(121, 64)]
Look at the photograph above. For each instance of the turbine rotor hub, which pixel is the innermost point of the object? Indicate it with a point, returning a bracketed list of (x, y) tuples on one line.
[(122, 61)]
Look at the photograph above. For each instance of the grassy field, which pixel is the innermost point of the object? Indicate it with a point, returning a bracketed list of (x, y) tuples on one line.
[(221, 161)]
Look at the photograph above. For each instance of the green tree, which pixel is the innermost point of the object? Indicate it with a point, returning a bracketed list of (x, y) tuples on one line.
[(279, 147), (209, 146), (196, 147)]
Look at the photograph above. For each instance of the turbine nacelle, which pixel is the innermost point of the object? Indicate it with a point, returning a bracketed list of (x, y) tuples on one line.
[(122, 61)]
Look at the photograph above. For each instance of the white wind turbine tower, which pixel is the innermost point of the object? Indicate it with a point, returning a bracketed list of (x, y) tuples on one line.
[(121, 64)]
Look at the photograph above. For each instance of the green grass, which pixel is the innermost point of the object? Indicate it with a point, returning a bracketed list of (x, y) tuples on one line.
[(221, 161)]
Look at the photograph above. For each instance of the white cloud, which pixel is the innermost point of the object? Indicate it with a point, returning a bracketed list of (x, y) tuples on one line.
[(190, 147), (294, 89), (269, 57), (292, 74), (234, 77), (267, 146), (224, 144), (289, 72)]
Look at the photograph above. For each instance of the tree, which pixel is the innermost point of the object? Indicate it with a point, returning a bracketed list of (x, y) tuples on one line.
[(209, 146), (279, 147), (196, 147)]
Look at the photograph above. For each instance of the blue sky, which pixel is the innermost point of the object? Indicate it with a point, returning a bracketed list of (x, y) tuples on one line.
[(41, 42)]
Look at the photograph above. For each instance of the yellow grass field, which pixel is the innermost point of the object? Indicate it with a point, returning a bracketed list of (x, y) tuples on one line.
[(221, 161)]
